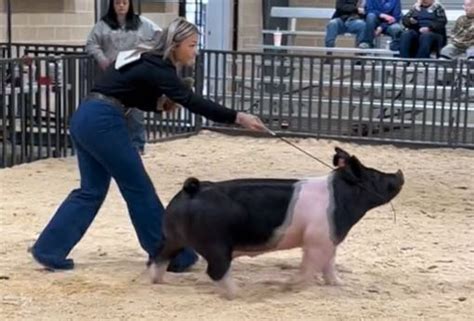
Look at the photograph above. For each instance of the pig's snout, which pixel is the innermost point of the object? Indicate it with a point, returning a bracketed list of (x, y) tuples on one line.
[(400, 176)]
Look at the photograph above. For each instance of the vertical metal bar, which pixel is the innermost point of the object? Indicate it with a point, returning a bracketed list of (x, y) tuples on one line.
[(3, 67), (242, 99), (371, 99), (351, 97), (48, 105), (31, 113), (262, 86), (281, 86), (22, 113), (450, 112), (443, 104), (252, 82), (300, 92), (425, 98), (330, 90), (435, 101), (469, 73), (310, 98), (458, 102), (57, 109), (13, 113), (290, 92), (361, 99), (320, 94), (216, 77), (381, 114), (413, 102), (402, 111), (38, 107), (233, 78), (393, 97), (272, 88), (340, 96), (224, 78), (67, 78)]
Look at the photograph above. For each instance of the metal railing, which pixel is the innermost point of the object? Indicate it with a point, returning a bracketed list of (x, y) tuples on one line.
[(414, 102), (39, 94)]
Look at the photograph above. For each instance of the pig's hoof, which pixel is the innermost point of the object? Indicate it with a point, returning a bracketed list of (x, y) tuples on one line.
[(229, 295), (334, 281), (157, 273)]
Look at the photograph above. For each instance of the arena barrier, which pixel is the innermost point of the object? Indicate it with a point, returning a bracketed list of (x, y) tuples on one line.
[(39, 91), (358, 98)]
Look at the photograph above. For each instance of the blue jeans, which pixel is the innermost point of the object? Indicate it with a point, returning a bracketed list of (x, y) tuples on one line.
[(136, 127), (394, 31), (419, 45), (104, 151), (337, 27)]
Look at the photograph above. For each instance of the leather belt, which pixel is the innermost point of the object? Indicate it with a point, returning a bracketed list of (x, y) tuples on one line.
[(111, 101)]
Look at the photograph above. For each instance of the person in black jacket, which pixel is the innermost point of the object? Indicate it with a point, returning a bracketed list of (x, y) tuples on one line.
[(348, 18), (104, 149), (426, 30)]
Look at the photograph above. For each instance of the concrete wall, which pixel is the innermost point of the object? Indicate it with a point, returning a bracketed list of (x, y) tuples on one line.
[(3, 21)]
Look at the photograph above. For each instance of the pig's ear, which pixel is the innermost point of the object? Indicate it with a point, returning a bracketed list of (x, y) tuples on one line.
[(340, 158), (352, 171), (355, 166)]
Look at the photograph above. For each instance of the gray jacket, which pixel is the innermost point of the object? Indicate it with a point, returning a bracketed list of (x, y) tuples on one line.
[(104, 44)]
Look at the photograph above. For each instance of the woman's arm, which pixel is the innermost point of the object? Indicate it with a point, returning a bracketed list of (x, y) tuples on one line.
[(94, 45), (166, 79)]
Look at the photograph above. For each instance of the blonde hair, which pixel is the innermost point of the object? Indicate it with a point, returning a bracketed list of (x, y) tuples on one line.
[(178, 30)]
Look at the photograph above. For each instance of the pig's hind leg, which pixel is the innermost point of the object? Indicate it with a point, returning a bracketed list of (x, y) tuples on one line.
[(158, 267), (219, 257)]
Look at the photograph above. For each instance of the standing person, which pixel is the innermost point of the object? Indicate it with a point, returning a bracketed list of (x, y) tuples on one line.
[(462, 36), (426, 23), (348, 17), (104, 148), (383, 17), (121, 29)]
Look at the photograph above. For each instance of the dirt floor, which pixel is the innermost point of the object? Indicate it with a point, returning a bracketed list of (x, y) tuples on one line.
[(421, 267)]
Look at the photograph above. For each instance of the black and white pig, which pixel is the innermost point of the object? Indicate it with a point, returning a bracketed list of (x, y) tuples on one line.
[(222, 220)]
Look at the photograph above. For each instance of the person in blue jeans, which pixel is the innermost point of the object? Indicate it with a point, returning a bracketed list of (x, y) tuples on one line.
[(348, 18), (426, 30), (104, 148), (383, 17), (122, 29)]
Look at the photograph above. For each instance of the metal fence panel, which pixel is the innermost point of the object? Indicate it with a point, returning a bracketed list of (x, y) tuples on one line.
[(363, 98)]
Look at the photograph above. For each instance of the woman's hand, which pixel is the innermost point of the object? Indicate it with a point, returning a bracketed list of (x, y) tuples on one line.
[(103, 64), (166, 104), (249, 121)]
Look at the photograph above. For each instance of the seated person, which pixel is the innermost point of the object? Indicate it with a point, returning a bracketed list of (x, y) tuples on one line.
[(426, 23), (462, 38), (347, 18), (383, 17)]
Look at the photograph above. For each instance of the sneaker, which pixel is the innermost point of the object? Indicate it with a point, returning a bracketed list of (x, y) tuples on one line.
[(364, 45)]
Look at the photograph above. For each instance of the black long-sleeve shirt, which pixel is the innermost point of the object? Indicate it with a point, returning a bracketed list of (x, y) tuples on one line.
[(142, 82)]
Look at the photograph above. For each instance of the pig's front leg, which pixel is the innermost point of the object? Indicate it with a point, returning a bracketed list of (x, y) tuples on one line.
[(307, 268), (330, 274)]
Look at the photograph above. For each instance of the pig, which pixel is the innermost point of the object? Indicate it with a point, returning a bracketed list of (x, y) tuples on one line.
[(222, 220)]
